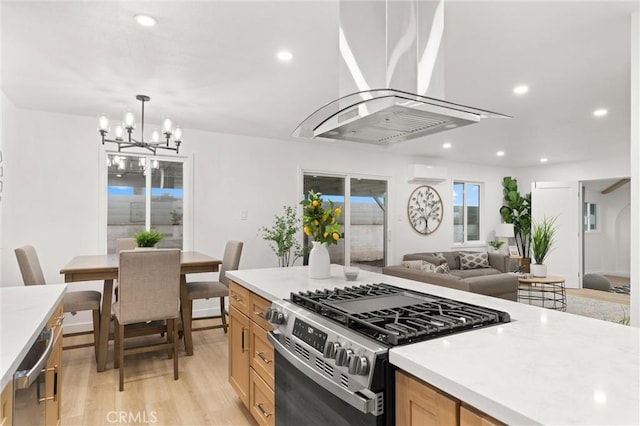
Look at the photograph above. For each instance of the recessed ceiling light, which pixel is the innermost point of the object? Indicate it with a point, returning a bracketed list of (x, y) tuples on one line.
[(284, 55), (500, 153), (521, 89), (145, 20), (600, 112), (544, 160), (446, 145)]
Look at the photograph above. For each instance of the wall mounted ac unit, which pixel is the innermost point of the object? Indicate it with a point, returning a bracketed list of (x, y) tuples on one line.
[(431, 174)]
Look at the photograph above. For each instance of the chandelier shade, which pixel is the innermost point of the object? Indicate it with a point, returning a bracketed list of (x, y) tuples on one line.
[(129, 124)]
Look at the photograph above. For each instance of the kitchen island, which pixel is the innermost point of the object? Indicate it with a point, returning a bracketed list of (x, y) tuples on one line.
[(543, 367), (24, 313)]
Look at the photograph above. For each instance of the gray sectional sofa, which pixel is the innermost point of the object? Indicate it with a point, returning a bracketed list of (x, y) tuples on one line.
[(491, 279)]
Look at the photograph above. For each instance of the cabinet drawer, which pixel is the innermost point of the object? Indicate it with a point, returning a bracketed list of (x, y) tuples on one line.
[(258, 306), (262, 401), (239, 297), (262, 356)]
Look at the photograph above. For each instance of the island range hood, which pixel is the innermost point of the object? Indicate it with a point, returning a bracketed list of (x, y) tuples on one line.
[(400, 48)]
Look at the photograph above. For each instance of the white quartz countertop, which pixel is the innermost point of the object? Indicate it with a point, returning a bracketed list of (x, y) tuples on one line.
[(24, 312), (544, 367)]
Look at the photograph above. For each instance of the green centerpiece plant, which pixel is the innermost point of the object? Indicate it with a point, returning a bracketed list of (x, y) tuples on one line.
[(148, 238), (282, 237)]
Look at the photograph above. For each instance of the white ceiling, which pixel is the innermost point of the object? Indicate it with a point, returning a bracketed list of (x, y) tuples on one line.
[(211, 65)]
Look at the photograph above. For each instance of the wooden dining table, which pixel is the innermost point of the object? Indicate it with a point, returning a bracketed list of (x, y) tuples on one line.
[(105, 267)]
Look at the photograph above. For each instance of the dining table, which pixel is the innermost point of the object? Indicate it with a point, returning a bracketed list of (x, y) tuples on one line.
[(105, 267)]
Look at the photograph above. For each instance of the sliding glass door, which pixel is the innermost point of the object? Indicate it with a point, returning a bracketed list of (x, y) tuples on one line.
[(364, 218)]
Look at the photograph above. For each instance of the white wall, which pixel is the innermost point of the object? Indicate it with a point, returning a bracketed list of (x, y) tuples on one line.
[(53, 181)]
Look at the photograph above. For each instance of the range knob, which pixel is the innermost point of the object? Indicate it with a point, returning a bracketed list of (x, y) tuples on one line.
[(359, 365), (274, 316), (330, 349), (277, 317), (342, 357), (267, 313)]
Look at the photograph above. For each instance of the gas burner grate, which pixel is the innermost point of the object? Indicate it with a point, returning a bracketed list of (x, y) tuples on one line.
[(394, 315)]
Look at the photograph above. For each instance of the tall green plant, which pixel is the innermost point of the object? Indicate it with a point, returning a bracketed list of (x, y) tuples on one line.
[(517, 210), (542, 238), (282, 237)]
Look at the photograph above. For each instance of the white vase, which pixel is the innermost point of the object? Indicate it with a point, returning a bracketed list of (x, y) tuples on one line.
[(319, 263), (538, 270)]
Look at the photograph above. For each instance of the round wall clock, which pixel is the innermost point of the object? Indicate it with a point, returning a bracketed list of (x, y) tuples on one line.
[(425, 209)]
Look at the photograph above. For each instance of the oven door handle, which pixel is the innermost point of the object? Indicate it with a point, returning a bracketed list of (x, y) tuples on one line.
[(24, 378), (360, 402)]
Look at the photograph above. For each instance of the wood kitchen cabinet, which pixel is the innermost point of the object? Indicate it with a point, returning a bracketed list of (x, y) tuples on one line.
[(418, 403), (53, 374), (469, 416), (251, 357), (6, 405)]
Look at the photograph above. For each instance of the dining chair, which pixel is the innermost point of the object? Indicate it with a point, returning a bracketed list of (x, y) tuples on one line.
[(149, 292), (123, 244), (219, 288), (72, 302)]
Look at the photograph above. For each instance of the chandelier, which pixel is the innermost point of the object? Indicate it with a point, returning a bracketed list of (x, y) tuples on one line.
[(129, 124)]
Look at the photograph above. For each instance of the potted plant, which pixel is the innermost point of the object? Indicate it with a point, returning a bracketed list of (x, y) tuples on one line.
[(495, 245), (148, 238), (517, 210), (320, 223), (542, 236), (282, 237)]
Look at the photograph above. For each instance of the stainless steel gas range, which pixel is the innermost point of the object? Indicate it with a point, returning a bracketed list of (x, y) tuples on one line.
[(332, 348)]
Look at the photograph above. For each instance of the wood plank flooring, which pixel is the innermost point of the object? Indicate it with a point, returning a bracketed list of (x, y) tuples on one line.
[(201, 396), (600, 295)]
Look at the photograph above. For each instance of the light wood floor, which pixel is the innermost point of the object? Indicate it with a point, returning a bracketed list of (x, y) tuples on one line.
[(600, 295), (202, 394)]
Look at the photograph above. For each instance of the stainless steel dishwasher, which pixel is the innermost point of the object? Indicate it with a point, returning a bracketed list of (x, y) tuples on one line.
[(29, 382)]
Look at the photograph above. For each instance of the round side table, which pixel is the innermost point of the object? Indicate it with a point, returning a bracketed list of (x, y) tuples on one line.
[(546, 292)]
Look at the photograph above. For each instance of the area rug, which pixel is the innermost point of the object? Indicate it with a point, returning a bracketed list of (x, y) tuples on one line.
[(599, 309), (623, 289)]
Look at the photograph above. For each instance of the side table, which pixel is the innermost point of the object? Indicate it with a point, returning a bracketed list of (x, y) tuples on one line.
[(546, 292)]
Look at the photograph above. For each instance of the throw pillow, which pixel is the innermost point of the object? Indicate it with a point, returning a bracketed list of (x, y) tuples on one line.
[(413, 264), (442, 268), (474, 260), (419, 265)]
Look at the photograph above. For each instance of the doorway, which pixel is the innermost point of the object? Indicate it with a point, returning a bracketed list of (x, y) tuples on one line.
[(606, 229)]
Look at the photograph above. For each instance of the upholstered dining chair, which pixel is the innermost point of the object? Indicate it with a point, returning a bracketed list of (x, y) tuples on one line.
[(149, 291), (72, 302), (220, 288), (123, 244)]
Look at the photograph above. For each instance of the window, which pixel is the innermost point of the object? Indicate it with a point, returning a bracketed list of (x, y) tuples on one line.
[(590, 217), (466, 212), (144, 192)]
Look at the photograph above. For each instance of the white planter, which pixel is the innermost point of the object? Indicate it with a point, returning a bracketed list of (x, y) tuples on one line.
[(538, 270), (319, 263)]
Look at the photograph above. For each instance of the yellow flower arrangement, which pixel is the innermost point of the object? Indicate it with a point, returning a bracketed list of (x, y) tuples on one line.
[(320, 224)]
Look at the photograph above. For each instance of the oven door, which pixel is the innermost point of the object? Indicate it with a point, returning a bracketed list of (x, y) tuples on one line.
[(301, 400)]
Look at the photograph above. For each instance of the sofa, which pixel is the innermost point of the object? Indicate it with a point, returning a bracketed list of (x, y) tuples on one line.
[(475, 272)]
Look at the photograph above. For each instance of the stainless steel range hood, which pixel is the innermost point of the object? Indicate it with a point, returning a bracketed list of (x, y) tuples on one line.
[(400, 47)]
